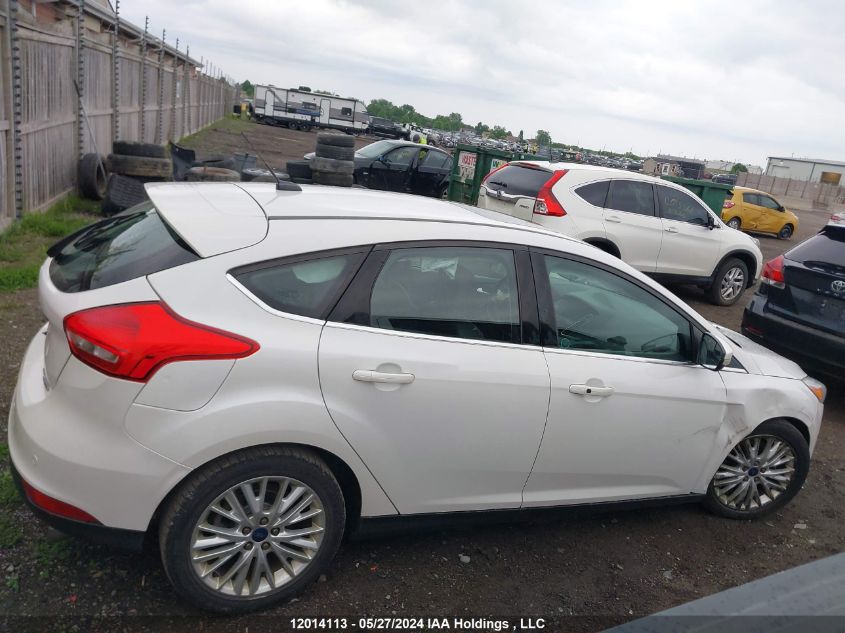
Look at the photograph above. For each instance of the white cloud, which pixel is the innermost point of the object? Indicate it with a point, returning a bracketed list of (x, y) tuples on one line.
[(732, 80)]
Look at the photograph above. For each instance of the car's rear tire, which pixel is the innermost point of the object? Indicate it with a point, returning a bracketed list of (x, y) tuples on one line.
[(735, 223), (761, 474), (786, 232), (228, 552), (729, 282)]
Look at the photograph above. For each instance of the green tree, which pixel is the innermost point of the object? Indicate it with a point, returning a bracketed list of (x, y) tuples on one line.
[(248, 88), (480, 128), (543, 138), (498, 132), (739, 167)]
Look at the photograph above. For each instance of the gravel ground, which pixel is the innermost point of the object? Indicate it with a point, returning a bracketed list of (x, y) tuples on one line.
[(613, 564)]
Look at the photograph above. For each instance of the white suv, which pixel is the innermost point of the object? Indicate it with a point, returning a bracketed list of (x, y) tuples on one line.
[(656, 226)]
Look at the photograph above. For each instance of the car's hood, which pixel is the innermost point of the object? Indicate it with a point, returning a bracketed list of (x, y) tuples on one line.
[(758, 359)]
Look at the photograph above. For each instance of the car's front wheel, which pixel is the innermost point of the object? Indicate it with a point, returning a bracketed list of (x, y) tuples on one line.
[(729, 282), (252, 528), (761, 473), (786, 232)]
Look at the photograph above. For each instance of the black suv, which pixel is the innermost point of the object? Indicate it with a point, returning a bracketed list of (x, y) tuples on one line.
[(799, 308)]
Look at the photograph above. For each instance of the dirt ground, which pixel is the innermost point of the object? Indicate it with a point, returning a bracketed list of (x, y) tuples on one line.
[(276, 145), (615, 565)]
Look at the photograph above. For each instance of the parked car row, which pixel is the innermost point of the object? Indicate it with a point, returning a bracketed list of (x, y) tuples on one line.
[(245, 376)]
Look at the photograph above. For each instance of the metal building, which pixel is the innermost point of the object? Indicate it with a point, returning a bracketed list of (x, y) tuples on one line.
[(829, 172)]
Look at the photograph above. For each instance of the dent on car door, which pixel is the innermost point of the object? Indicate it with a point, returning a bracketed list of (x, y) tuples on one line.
[(771, 217), (630, 415), (751, 210), (427, 370)]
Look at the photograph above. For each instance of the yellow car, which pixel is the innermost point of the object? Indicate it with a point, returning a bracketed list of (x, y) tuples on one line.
[(753, 210)]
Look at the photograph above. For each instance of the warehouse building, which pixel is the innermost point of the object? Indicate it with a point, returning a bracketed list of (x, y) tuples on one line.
[(829, 172)]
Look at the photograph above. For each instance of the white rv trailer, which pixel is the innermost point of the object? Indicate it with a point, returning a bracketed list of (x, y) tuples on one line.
[(300, 109)]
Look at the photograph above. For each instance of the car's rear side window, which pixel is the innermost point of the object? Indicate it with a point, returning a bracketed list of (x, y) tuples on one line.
[(631, 196), (131, 244), (305, 286), (595, 193), (518, 180)]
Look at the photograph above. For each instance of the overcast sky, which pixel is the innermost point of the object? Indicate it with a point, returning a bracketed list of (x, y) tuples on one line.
[(734, 80)]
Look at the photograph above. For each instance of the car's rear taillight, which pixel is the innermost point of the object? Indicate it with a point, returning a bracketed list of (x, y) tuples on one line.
[(773, 273), (133, 340), (54, 506), (546, 203), (729, 204)]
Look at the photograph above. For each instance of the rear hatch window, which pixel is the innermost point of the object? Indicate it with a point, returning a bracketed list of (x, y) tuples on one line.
[(518, 180), (814, 272), (132, 244)]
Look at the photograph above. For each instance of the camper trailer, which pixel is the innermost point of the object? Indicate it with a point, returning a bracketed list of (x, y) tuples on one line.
[(302, 109)]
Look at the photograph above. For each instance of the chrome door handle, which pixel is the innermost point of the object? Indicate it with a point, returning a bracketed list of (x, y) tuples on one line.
[(671, 229), (588, 390), (613, 218), (367, 375)]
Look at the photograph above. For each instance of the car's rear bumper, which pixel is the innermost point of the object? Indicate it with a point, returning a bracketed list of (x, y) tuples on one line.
[(94, 532), (808, 346), (62, 448)]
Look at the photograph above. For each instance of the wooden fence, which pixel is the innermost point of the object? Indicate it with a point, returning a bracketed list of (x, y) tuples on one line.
[(160, 97)]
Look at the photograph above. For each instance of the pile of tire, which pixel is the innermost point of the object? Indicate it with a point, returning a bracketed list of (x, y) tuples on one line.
[(131, 164), (334, 160)]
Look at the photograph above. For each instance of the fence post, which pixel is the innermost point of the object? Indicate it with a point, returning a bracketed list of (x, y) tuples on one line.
[(172, 133), (143, 122), (80, 77), (160, 133), (17, 105), (186, 94), (115, 99)]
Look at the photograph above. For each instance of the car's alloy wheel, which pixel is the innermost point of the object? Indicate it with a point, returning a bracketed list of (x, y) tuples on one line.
[(755, 473), (786, 232), (257, 536), (732, 284), (761, 473), (252, 528), (734, 223)]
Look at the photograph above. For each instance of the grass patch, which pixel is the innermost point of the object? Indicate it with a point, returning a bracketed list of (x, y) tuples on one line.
[(47, 552), (10, 533), (229, 125), (8, 492), (23, 246)]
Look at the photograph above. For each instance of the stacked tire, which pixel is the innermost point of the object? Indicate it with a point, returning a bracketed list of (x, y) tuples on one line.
[(334, 160), (132, 164)]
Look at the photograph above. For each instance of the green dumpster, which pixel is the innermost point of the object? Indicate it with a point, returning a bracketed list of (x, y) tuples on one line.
[(712, 193), (469, 166)]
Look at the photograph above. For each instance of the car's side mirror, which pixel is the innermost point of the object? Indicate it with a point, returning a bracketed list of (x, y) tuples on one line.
[(713, 354), (711, 223), (383, 159)]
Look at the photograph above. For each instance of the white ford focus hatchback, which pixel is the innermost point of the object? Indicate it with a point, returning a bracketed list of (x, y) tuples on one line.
[(245, 373)]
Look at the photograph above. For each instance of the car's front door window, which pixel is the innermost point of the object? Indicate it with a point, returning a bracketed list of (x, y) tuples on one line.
[(597, 311), (680, 206)]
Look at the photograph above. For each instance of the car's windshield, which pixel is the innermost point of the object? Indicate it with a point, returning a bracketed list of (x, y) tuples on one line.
[(374, 150)]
